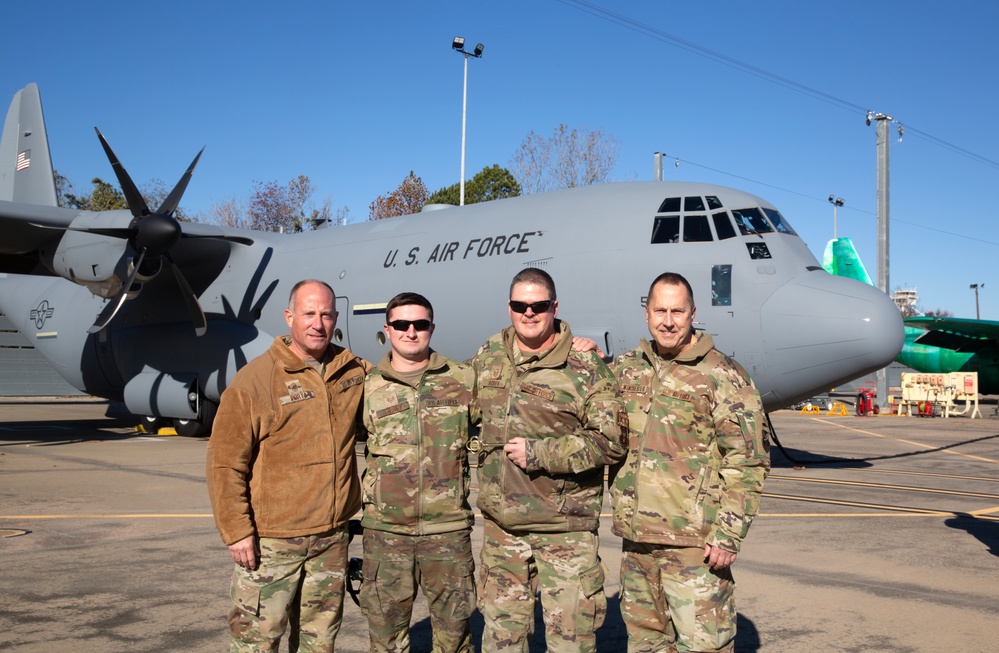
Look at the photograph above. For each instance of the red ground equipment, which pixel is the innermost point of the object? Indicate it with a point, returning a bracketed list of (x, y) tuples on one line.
[(867, 403)]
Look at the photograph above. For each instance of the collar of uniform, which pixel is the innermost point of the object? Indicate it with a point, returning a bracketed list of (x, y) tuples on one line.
[(701, 346), (554, 356), (436, 363), (336, 357)]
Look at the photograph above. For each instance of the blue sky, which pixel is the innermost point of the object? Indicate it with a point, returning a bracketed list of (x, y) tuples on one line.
[(355, 95)]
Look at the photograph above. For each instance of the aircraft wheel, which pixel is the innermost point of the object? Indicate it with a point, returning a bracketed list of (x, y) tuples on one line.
[(153, 423), (196, 428)]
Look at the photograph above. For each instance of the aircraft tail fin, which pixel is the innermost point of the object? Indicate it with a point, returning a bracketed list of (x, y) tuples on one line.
[(841, 258), (26, 173)]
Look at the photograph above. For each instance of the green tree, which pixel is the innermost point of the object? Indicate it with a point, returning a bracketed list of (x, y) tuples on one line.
[(491, 183), (103, 197)]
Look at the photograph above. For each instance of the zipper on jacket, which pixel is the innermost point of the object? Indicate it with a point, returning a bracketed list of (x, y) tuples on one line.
[(418, 412)]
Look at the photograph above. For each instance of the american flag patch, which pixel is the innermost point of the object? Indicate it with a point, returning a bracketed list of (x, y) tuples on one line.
[(23, 160)]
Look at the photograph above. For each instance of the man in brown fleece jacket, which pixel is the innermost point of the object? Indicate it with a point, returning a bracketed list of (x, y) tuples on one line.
[(283, 481)]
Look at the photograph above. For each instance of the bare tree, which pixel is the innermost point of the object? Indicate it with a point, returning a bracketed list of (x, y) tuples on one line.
[(566, 159), (229, 212)]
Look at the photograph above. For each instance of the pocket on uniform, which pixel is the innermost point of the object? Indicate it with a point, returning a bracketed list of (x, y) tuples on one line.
[(369, 587), (593, 601), (461, 578), (245, 596)]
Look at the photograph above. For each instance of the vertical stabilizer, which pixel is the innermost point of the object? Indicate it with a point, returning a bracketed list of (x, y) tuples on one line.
[(841, 258), (25, 163)]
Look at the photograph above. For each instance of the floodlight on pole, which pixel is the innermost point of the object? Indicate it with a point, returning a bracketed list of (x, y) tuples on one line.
[(975, 287), (459, 46), (836, 202)]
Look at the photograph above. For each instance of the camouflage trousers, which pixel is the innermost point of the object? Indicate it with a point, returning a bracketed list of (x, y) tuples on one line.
[(302, 578), (672, 601), (442, 566), (567, 569)]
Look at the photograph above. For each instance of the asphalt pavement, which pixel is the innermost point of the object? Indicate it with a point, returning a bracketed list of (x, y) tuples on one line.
[(875, 534)]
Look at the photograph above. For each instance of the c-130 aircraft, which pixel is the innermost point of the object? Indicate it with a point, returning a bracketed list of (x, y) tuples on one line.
[(91, 292)]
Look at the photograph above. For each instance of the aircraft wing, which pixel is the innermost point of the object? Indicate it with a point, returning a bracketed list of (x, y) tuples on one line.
[(958, 334)]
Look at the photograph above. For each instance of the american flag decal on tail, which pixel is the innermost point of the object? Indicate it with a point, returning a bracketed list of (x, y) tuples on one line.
[(23, 160)]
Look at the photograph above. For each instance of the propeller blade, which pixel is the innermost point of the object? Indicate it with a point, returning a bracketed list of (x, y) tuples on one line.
[(240, 240), (111, 308), (193, 306), (173, 199), (133, 197)]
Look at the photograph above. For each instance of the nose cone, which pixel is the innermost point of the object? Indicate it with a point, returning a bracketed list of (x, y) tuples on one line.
[(820, 330)]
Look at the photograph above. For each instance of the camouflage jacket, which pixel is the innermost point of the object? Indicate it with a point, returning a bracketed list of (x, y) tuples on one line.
[(416, 479), (281, 461), (697, 451), (567, 406)]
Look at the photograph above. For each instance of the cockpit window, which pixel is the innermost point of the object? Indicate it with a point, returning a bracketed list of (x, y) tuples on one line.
[(723, 226), (670, 205), (693, 204), (780, 224), (713, 202), (666, 229), (696, 229), (751, 221)]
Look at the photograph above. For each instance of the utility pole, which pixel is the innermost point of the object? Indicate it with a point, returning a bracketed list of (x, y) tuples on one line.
[(882, 243)]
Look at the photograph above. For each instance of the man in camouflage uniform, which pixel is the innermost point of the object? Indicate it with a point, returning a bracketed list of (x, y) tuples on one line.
[(690, 486), (417, 519), (551, 420), (282, 477)]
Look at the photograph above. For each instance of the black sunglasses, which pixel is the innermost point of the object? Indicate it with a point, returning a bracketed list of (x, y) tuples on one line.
[(403, 325), (536, 307)]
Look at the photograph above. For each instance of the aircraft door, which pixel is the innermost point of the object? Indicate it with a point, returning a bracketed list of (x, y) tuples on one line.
[(341, 333)]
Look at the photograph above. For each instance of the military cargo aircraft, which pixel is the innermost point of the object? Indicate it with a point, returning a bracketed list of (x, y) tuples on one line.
[(135, 306), (932, 344)]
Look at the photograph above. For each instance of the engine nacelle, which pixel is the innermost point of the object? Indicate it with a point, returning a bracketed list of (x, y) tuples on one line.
[(100, 263)]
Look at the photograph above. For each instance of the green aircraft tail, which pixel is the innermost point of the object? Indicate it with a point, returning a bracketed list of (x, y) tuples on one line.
[(841, 258)]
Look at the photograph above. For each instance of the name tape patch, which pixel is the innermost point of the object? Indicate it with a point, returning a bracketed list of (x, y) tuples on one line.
[(544, 393)]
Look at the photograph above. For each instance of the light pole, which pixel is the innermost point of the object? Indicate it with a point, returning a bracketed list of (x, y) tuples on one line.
[(837, 202), (975, 287), (459, 46)]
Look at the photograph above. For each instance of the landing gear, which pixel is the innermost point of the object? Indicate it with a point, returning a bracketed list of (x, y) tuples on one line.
[(153, 423), (200, 427)]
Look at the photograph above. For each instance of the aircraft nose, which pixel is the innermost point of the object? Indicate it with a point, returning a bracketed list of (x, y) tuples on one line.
[(821, 330)]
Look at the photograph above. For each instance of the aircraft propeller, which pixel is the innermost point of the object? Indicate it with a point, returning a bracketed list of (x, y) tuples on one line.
[(152, 235)]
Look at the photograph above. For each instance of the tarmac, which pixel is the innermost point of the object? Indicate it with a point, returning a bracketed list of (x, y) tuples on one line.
[(882, 534)]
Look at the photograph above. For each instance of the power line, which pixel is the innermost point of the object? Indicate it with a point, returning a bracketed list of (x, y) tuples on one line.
[(659, 35), (822, 199)]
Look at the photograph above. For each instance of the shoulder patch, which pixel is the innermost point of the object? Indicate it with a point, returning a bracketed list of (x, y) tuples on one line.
[(622, 420)]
